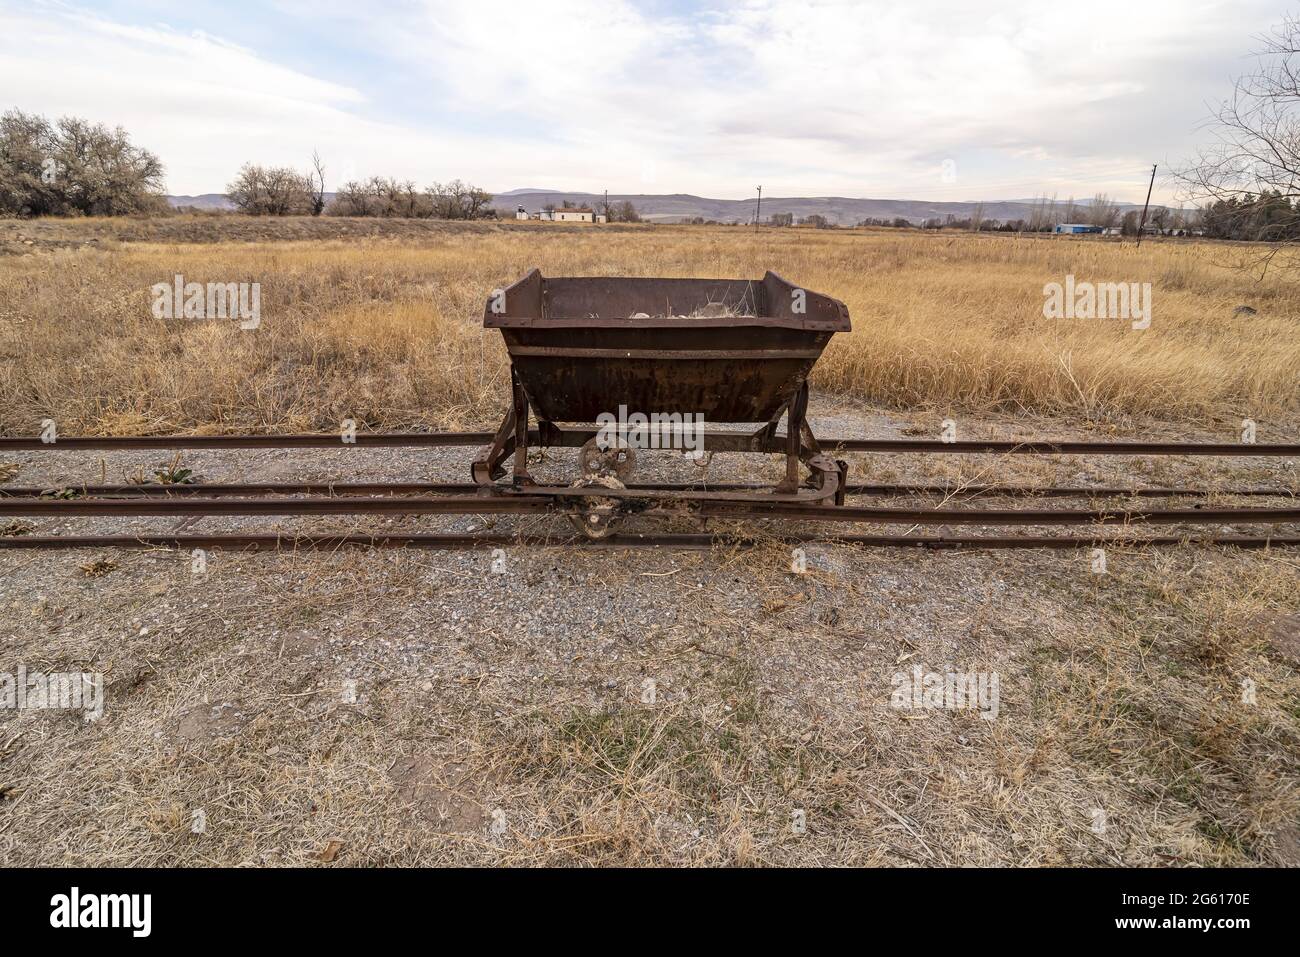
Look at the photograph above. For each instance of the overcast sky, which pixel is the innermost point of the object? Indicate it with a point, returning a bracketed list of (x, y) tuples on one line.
[(910, 100)]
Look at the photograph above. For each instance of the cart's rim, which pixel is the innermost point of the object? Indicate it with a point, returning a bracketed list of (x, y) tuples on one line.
[(824, 313)]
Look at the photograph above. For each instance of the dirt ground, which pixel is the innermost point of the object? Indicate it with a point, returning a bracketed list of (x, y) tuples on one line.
[(653, 707)]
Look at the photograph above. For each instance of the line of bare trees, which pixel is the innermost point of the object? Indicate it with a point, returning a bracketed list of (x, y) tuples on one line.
[(624, 212), (1044, 213), (279, 190), (383, 196), (72, 167), (283, 191)]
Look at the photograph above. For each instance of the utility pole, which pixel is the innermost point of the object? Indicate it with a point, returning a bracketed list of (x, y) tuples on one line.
[(1143, 222), (606, 205), (759, 208)]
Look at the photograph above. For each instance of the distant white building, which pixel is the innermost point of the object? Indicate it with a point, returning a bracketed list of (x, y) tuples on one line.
[(564, 214), (521, 213), (577, 214)]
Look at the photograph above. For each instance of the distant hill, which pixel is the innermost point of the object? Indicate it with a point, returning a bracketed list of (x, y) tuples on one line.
[(525, 191), (840, 210), (676, 207), (204, 201)]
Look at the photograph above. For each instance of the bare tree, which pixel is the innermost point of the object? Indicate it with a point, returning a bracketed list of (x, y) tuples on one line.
[(459, 200), (1103, 211), (74, 167), (381, 196), (1248, 178), (350, 200), (271, 191), (1042, 214), (317, 176)]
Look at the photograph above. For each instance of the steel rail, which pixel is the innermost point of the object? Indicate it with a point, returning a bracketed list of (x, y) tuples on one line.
[(351, 505), (466, 488), (573, 437), (386, 440), (264, 542), (976, 516), (536, 503), (226, 489), (220, 489), (1062, 448)]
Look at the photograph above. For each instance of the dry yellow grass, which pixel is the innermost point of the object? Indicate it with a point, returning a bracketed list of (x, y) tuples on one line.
[(385, 329)]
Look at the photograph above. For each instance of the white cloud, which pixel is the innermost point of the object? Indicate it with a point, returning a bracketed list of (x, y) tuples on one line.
[(807, 97)]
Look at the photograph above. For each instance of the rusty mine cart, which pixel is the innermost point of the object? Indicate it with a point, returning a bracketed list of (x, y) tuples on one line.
[(727, 350)]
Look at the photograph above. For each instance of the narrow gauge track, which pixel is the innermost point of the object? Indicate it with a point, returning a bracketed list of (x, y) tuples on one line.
[(222, 490), (330, 542), (575, 437), (731, 501), (511, 504)]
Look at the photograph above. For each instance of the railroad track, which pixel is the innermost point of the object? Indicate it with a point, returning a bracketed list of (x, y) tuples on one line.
[(575, 437), (477, 542), (512, 504), (221, 490), (698, 503)]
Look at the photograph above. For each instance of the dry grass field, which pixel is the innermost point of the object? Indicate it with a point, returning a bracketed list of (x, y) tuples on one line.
[(385, 328), (501, 719)]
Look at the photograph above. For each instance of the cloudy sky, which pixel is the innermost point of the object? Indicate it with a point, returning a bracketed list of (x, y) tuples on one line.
[(916, 99)]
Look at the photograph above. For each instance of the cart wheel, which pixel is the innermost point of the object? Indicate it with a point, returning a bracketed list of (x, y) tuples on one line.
[(596, 461), (596, 517)]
